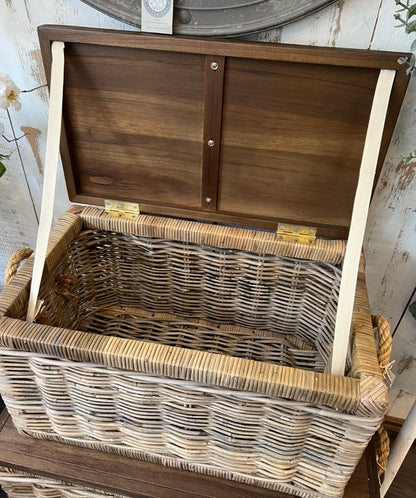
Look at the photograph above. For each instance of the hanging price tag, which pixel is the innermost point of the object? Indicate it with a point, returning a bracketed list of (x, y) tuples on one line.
[(157, 16)]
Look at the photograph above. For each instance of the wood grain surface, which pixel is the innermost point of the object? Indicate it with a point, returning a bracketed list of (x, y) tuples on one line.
[(119, 474), (286, 125)]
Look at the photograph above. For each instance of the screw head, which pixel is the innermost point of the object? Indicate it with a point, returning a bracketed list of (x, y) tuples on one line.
[(211, 142), (214, 66), (208, 200)]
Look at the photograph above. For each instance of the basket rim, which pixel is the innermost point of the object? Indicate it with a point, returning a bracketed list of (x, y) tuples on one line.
[(338, 392)]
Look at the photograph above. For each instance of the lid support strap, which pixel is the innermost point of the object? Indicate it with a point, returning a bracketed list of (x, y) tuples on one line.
[(359, 219), (49, 178)]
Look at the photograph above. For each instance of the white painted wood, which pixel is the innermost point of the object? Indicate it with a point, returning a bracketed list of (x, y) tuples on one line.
[(400, 403), (390, 239), (399, 450), (51, 170), (20, 58), (404, 355), (359, 219), (346, 23)]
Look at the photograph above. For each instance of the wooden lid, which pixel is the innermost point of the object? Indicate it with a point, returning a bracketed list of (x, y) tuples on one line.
[(234, 132)]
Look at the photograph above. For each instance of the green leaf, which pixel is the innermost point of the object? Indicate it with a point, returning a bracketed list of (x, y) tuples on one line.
[(2, 169)]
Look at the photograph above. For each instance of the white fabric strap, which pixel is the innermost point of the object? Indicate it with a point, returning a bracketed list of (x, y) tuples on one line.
[(49, 178), (359, 219)]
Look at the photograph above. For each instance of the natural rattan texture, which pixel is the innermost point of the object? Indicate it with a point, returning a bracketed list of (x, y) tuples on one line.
[(156, 344), (283, 445), (22, 485), (268, 292)]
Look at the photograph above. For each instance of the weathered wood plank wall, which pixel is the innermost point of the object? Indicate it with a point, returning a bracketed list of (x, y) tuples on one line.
[(390, 241)]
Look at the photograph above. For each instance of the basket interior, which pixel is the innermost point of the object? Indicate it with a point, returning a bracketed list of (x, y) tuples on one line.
[(258, 306)]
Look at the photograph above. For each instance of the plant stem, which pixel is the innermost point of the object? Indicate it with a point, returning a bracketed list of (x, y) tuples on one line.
[(14, 139), (33, 89), (21, 162)]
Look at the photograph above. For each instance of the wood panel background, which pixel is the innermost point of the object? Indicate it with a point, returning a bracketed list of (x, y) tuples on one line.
[(390, 240)]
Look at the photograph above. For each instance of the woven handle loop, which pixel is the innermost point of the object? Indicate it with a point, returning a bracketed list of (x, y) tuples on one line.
[(382, 327), (382, 452), (14, 262), (384, 339)]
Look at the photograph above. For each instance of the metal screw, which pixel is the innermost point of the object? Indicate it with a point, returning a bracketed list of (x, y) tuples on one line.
[(211, 142), (297, 229), (214, 66), (208, 200), (282, 227), (311, 231), (121, 205)]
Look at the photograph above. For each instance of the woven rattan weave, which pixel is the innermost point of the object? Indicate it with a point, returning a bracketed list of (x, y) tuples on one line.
[(22, 485), (193, 345)]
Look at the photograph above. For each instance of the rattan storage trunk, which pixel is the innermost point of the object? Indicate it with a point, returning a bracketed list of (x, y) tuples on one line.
[(195, 336)]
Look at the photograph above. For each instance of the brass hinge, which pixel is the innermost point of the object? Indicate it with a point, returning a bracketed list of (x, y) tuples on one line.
[(118, 209), (296, 233)]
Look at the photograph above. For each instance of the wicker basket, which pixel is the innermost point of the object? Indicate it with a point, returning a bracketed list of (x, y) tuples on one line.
[(22, 485), (197, 346)]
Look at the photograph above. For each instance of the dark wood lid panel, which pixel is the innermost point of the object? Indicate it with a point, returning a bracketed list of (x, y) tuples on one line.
[(292, 139), (134, 119), (288, 125)]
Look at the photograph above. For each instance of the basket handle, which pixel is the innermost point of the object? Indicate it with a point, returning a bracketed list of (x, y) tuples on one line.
[(384, 340), (382, 452), (14, 262), (382, 327)]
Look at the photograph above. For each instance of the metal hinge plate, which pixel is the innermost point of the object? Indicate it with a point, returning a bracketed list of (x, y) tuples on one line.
[(118, 209), (296, 233)]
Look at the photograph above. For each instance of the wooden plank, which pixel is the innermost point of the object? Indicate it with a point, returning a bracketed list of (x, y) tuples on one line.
[(293, 147), (359, 219), (295, 53), (336, 26), (289, 150), (51, 169), (214, 81), (152, 132), (372, 470), (114, 473)]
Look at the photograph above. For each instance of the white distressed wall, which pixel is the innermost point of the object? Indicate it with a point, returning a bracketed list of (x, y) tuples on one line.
[(390, 241)]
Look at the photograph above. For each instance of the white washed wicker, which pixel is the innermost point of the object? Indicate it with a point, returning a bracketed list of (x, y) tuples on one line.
[(171, 381)]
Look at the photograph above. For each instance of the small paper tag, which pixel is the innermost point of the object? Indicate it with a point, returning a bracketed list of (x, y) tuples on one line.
[(157, 16)]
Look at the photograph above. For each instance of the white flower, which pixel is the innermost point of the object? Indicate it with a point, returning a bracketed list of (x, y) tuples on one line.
[(9, 93), (1, 128)]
